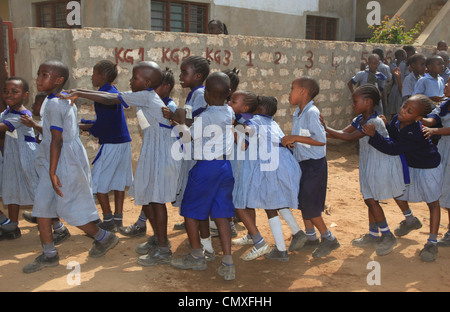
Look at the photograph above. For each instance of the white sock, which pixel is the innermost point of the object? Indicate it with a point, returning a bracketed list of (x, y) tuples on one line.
[(275, 226), (206, 243), (287, 215)]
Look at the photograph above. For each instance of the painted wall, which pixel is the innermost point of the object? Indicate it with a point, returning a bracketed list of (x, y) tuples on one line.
[(267, 65)]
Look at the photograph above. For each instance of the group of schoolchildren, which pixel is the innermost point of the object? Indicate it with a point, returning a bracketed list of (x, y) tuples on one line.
[(209, 158), (403, 142)]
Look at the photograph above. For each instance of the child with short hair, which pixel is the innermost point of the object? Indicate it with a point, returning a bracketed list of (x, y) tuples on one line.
[(111, 168), (424, 169), (417, 65), (395, 96), (370, 75), (64, 188), (156, 174), (432, 84), (446, 71), (380, 175), (212, 176), (19, 177), (309, 142), (139, 228)]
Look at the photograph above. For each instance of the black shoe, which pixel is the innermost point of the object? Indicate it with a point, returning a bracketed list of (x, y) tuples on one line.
[(133, 230), (325, 247), (41, 262), (28, 217), (58, 238), (10, 234)]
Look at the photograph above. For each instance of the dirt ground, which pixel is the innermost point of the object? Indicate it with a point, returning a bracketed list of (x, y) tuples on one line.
[(345, 270)]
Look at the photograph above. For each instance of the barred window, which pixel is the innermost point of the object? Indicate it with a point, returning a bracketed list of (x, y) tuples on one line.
[(321, 28), (53, 14), (179, 16)]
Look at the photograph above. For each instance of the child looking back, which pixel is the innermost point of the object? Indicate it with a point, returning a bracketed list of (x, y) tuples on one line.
[(64, 188), (308, 140)]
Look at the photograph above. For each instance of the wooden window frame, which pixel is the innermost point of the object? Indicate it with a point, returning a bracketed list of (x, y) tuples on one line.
[(187, 22), (326, 20), (53, 4)]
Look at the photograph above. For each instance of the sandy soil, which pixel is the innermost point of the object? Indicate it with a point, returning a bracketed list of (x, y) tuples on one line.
[(346, 269)]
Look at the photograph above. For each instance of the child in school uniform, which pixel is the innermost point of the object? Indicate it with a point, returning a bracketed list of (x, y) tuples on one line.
[(60, 231), (19, 177), (432, 84), (64, 189), (446, 71), (211, 176), (424, 169), (417, 65), (156, 174), (380, 175), (370, 75), (440, 116), (275, 180), (164, 90), (308, 140), (111, 168)]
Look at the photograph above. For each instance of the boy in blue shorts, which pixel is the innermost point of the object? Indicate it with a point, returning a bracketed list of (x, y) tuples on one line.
[(210, 184), (309, 142)]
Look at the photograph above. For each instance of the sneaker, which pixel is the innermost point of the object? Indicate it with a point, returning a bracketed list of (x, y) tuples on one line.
[(404, 228), (215, 232), (58, 238), (179, 226), (444, 241), (228, 272), (42, 261), (188, 262), (144, 248), (245, 240), (99, 249), (27, 216), (325, 247), (429, 253), (133, 230), (10, 234), (366, 240), (109, 226), (157, 256), (387, 244), (298, 240), (275, 254), (256, 252)]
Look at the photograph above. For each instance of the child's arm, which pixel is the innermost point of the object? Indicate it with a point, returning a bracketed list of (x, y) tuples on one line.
[(428, 132), (350, 86), (398, 73), (96, 96), (388, 146), (29, 122), (429, 122), (3, 127), (55, 152), (289, 140), (349, 133)]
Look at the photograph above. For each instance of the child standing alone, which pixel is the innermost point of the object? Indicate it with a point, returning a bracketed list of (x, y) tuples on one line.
[(309, 142)]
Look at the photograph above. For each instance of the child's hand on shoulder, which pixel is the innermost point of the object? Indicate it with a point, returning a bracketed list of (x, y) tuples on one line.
[(167, 113), (27, 121), (70, 95), (384, 119), (369, 129)]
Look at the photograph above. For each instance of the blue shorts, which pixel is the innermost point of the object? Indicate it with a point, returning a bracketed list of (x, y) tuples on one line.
[(209, 191), (313, 187)]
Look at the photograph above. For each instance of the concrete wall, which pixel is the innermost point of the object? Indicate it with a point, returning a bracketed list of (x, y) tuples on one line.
[(267, 65)]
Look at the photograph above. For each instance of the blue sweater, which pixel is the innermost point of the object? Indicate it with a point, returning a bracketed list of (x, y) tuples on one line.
[(110, 126), (410, 142)]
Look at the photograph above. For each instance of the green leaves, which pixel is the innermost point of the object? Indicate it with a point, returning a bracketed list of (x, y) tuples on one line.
[(392, 31)]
